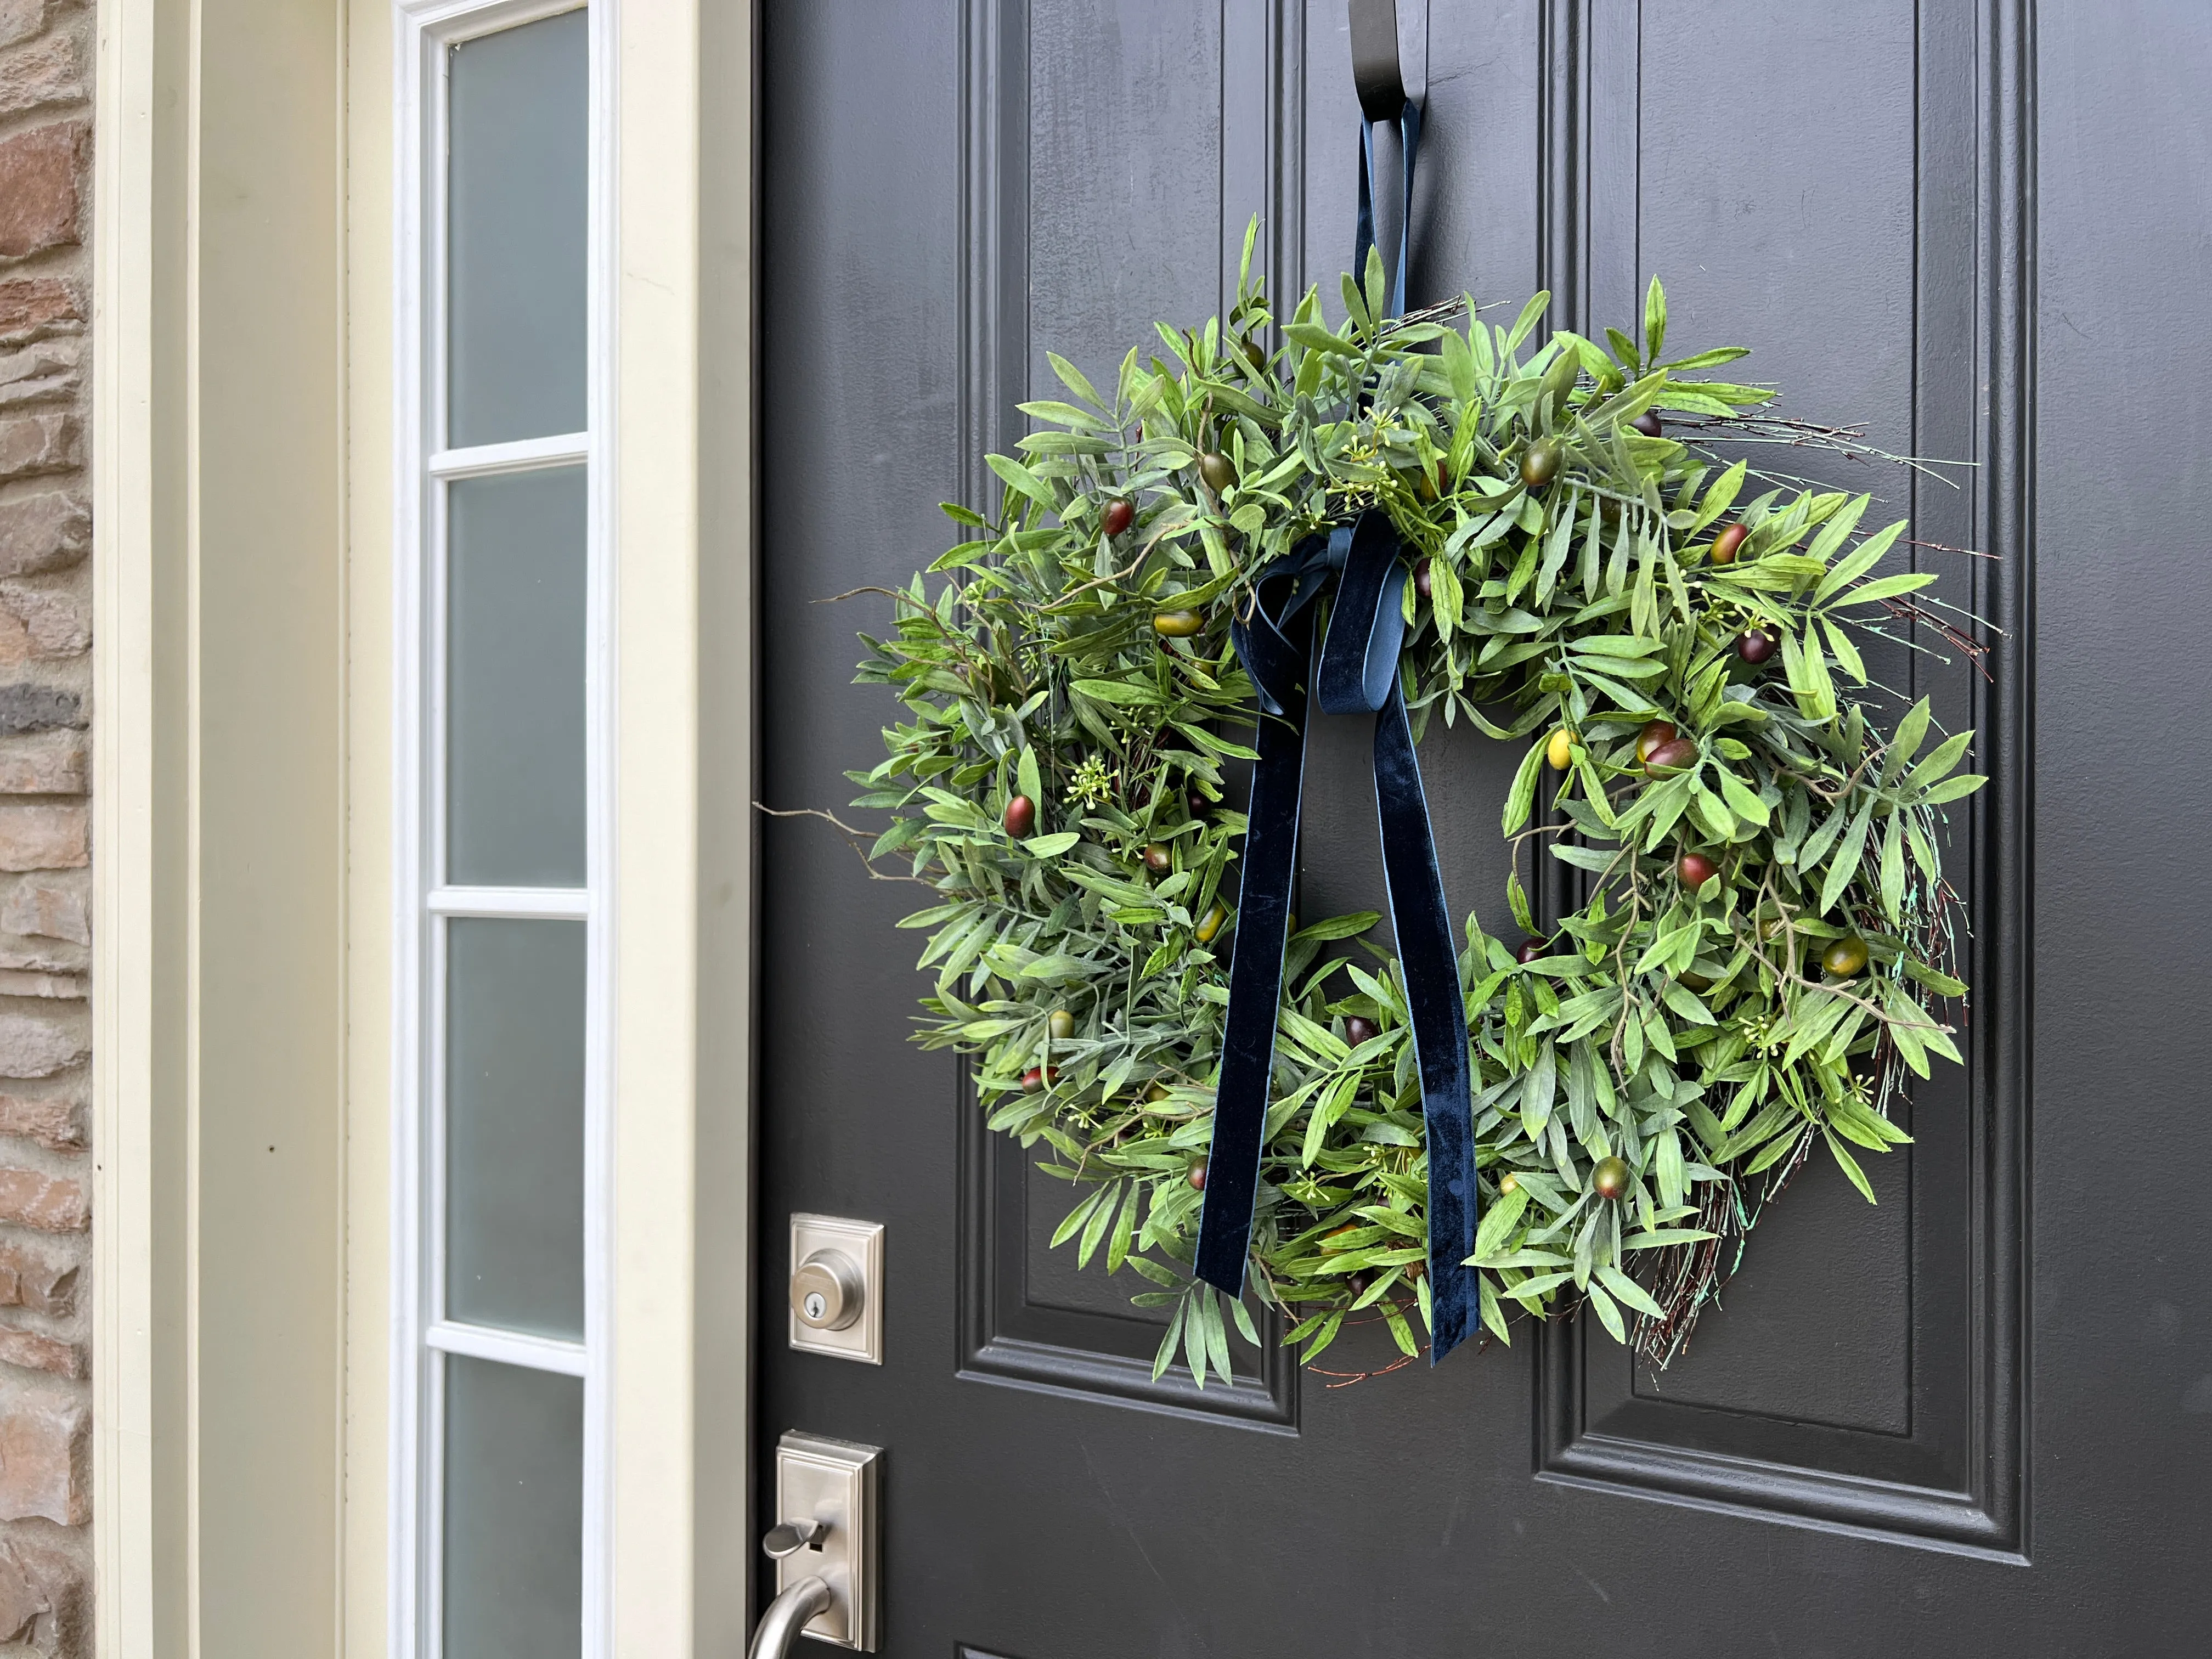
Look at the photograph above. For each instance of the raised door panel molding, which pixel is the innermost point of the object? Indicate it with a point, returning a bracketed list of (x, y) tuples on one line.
[(1873, 249), (1063, 252)]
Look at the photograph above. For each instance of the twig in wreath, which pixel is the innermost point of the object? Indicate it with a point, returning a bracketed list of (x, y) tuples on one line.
[(852, 839)]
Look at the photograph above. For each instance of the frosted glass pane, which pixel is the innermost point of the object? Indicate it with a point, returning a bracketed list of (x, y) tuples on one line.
[(514, 1125), (514, 1512), (515, 680), (516, 222)]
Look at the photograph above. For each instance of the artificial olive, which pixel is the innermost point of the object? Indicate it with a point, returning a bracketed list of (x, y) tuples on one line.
[(1647, 424), (1196, 1174), (1033, 1079), (1531, 949), (1845, 958), (1728, 541), (1560, 751), (1159, 858), (1061, 1023), (1021, 816), (1421, 579), (1196, 800), (1291, 924), (1669, 758), (1508, 1182), (1212, 923), (1357, 1030), (1118, 516), (1609, 1180), (1157, 1093), (1217, 470), (1177, 624), (1541, 464), (1697, 983), (1695, 870), (1755, 645), (1652, 736)]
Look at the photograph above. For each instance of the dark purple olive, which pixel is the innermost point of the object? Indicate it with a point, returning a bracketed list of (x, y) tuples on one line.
[(1755, 645), (1118, 517), (1648, 424), (1696, 870), (1200, 806), (1531, 949), (1421, 579), (1196, 1174), (1652, 736), (1021, 816), (1159, 859), (1357, 1030), (1669, 758)]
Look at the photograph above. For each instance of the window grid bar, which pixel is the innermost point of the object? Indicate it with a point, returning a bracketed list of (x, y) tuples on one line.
[(522, 455), (560, 903), (537, 1353)]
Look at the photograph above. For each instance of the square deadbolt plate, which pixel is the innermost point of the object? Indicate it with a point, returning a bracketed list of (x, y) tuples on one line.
[(861, 1242), (818, 1479)]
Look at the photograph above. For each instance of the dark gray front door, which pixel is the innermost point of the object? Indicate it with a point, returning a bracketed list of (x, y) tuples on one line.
[(1976, 1418)]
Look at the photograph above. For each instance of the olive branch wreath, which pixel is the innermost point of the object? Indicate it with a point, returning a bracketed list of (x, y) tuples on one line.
[(1762, 945)]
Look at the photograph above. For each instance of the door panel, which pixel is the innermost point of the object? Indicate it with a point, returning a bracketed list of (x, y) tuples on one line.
[(1846, 1458)]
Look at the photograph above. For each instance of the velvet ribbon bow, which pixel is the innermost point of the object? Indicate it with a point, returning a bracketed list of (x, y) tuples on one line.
[(1357, 674)]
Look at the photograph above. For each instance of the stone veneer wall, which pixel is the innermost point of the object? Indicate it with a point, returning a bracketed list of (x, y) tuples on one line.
[(46, 590)]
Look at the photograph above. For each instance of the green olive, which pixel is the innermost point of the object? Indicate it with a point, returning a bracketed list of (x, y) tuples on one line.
[(1541, 464), (1609, 1180), (1061, 1023), (1177, 624), (1845, 958), (1217, 470)]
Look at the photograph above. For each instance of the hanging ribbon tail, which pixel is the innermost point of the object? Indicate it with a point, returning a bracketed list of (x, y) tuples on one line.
[(1409, 139), (1277, 661)]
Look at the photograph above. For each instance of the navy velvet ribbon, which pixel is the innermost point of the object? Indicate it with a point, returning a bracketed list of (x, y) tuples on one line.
[(1357, 674)]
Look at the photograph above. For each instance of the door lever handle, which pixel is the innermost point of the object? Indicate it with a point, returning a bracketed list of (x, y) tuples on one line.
[(789, 1537), (786, 1617)]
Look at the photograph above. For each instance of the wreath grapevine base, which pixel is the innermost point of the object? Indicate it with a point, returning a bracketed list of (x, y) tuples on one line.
[(1763, 946)]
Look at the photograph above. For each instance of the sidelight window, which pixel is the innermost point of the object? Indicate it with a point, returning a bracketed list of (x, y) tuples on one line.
[(500, 1442)]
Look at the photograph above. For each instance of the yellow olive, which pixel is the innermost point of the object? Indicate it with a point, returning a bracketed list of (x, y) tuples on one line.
[(1177, 624), (1509, 1183), (1609, 1180), (1560, 751), (1845, 958), (1541, 464), (1061, 1023), (1212, 923)]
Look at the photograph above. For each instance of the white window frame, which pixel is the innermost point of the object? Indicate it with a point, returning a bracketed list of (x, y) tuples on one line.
[(423, 31)]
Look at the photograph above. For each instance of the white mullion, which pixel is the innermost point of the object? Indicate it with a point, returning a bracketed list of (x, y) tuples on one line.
[(557, 903), (535, 1353), (523, 455)]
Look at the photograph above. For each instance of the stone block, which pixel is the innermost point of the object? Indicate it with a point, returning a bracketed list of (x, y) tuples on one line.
[(52, 1204), (49, 763), (38, 203), (34, 837), (27, 706), (53, 622), (34, 446), (38, 1045), (21, 18), (46, 77), (50, 909), (46, 531), (35, 1351), (31, 307), (45, 1600), (45, 1457), (55, 1121), (30, 1279), (43, 372)]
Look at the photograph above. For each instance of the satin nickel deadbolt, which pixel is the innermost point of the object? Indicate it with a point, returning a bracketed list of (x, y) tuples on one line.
[(837, 1288)]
